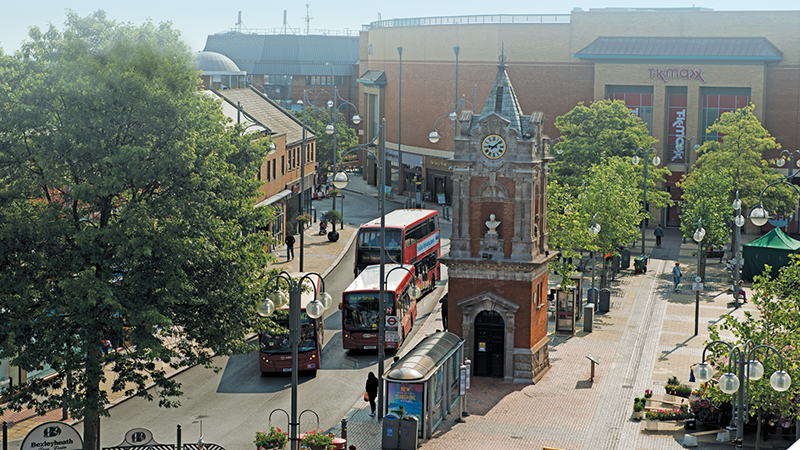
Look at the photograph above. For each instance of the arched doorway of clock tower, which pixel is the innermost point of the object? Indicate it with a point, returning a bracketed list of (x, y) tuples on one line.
[(489, 345)]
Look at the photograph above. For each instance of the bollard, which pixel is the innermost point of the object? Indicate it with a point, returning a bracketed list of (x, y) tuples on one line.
[(5, 435), (179, 437), (344, 430)]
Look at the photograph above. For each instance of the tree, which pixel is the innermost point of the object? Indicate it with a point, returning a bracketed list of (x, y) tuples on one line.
[(611, 195), (706, 196), (591, 133), (317, 119), (125, 216), (738, 154), (775, 323)]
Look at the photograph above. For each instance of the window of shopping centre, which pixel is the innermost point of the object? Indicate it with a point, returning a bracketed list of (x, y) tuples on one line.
[(717, 101), (639, 99)]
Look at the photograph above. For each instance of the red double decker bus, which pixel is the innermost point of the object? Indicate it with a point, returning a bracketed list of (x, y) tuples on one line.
[(412, 238), (360, 308), (274, 348)]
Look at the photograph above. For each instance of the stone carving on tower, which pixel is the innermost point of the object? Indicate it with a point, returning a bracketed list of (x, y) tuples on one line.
[(497, 264)]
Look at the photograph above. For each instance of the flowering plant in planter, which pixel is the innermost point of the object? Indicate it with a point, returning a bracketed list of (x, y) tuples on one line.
[(648, 393), (274, 439), (704, 410), (315, 439), (334, 192), (304, 218), (681, 413)]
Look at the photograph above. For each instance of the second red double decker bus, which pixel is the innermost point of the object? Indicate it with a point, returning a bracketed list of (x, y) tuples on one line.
[(360, 308), (412, 238)]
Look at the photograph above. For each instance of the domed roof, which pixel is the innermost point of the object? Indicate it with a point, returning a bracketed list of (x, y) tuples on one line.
[(213, 62)]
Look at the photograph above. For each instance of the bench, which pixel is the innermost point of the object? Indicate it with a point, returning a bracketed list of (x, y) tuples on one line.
[(715, 254)]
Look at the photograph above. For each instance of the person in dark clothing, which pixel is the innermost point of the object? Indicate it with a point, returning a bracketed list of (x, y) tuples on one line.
[(289, 247), (443, 301), (372, 392), (658, 233)]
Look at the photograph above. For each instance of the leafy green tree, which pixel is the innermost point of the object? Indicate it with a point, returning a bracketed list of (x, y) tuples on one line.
[(611, 195), (739, 155), (317, 119), (775, 323), (707, 196), (125, 216), (591, 133)]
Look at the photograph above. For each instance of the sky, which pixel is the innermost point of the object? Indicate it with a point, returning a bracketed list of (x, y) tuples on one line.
[(199, 18)]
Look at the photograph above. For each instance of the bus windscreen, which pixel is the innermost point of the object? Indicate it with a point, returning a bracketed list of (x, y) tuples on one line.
[(279, 342), (360, 311)]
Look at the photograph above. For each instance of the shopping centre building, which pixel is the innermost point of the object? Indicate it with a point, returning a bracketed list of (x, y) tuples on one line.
[(678, 69)]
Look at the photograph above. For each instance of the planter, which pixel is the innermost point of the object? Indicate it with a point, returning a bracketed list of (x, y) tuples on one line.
[(638, 415), (651, 425), (333, 236), (669, 398)]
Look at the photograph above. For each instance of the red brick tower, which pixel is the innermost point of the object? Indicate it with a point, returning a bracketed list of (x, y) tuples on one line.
[(497, 264)]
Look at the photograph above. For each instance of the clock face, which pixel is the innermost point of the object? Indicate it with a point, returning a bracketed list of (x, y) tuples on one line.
[(493, 146)]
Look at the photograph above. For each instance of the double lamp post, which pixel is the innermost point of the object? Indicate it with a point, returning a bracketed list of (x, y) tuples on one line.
[(340, 182), (275, 298)]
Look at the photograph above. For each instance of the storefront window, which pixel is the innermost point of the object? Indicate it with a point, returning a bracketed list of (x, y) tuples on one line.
[(717, 101), (639, 99)]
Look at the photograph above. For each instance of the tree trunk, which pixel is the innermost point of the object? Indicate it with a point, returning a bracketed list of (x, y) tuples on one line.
[(91, 404)]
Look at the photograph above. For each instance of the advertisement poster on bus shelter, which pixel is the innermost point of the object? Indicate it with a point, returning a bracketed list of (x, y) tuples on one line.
[(405, 399)]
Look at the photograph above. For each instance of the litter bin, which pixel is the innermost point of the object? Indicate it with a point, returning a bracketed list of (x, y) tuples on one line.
[(640, 264), (605, 301), (616, 263), (409, 434), (591, 295), (625, 257), (391, 432)]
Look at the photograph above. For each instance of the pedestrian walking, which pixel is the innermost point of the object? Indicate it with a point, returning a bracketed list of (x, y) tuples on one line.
[(658, 233), (677, 275), (372, 392), (289, 247), (443, 301)]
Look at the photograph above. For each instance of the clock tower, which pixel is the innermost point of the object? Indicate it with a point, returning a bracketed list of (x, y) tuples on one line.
[(498, 259)]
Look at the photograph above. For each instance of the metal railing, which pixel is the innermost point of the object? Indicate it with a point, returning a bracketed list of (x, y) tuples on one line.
[(465, 20)]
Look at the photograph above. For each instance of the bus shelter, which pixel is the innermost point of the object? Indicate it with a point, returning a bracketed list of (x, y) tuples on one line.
[(425, 382)]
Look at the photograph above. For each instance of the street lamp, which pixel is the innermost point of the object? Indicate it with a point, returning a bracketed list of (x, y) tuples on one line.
[(699, 234), (656, 162), (434, 135), (315, 309), (749, 369), (738, 221), (340, 181), (686, 157), (758, 214), (335, 103), (594, 230)]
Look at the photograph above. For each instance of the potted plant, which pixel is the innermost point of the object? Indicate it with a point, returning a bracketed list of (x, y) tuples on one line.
[(670, 387), (638, 409), (273, 439), (317, 440), (334, 192), (333, 217), (304, 219)]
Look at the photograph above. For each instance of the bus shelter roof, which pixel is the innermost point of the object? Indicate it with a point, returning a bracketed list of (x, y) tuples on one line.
[(423, 360)]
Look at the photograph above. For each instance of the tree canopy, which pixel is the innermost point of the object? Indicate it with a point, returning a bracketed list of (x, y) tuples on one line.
[(317, 119), (776, 323), (591, 133), (125, 216), (706, 198), (738, 155)]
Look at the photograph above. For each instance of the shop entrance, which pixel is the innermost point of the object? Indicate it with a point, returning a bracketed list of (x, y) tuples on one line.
[(489, 345)]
